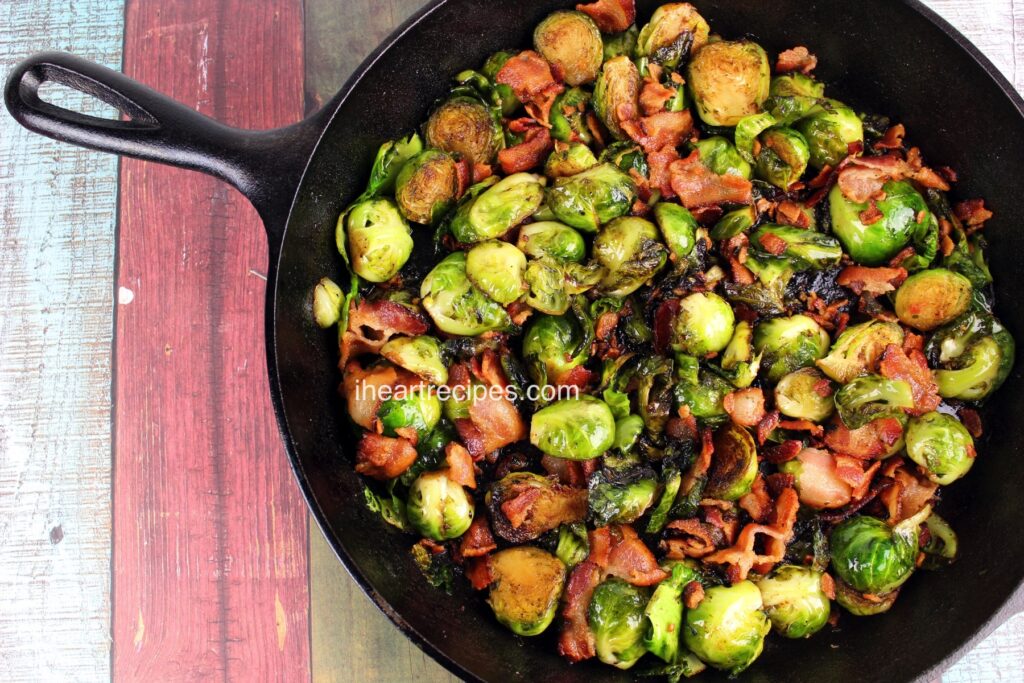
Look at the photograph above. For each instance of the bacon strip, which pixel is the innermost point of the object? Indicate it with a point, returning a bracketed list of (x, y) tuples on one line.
[(528, 154), (698, 186), (741, 556), (658, 170), (913, 369), (893, 138), (872, 280), (757, 503), (478, 540), (910, 491), (372, 324), (654, 96), (460, 465), (862, 178), (796, 59), (531, 79), (619, 551), (611, 16), (661, 130), (493, 420), (972, 213), (873, 440), (383, 457), (478, 571), (576, 641), (691, 538)]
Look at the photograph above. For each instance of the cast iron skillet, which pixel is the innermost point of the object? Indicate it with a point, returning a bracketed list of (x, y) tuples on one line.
[(898, 58)]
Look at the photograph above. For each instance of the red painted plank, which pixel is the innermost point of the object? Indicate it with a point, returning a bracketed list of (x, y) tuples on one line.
[(210, 536)]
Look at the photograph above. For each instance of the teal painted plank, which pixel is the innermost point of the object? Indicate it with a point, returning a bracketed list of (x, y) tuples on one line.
[(57, 205)]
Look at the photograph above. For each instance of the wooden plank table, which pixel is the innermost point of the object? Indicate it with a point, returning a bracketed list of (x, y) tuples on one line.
[(149, 527)]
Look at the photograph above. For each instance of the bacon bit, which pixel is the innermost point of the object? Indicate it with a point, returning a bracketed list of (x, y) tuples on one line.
[(742, 557), (823, 388), (972, 421), (766, 426), (796, 59), (663, 317), (829, 315), (873, 280), (528, 154), (909, 493), (578, 376), (701, 465), (519, 311), (973, 214), (493, 422), (531, 79), (658, 164), (478, 571), (790, 213), (872, 214), (735, 250), (779, 481), (802, 426), (464, 172), (851, 471), (913, 369), (682, 428), (517, 509), (861, 184), (707, 215), (460, 465), (628, 558), (828, 586), (784, 452), (594, 126), (946, 245), (481, 172), (576, 642), (893, 138), (757, 503), (696, 185), (372, 324), (717, 516), (745, 407), (478, 540), (912, 342), (661, 130), (606, 324), (654, 96), (873, 440), (695, 539), (568, 472), (693, 594), (773, 244), (611, 16), (383, 457)]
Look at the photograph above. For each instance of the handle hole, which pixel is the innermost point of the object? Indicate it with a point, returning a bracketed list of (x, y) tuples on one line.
[(65, 97)]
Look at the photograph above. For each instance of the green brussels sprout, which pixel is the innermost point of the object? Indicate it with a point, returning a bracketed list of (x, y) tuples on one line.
[(574, 428), (663, 616), (728, 627), (673, 33), (419, 355), (498, 208), (527, 583), (390, 159), (438, 508), (552, 240), (569, 161), (627, 432), (551, 505), (861, 605), (426, 186), (627, 156), (788, 344), (553, 346), (794, 600), (805, 250), (463, 125), (571, 126), (704, 324), (941, 446), (620, 497), (783, 157), (805, 395), (738, 360), (705, 398), (871, 397), (678, 228), (379, 239), (942, 546), (830, 132), (327, 302), (872, 557), (876, 244), (672, 481), (858, 348), (547, 288), (734, 467), (572, 43), (932, 298), (588, 200), (573, 544), (719, 154), (616, 619), (419, 410), (618, 85), (497, 269), (455, 304), (796, 85), (733, 223), (505, 94), (729, 80), (620, 44), (974, 356), (630, 251)]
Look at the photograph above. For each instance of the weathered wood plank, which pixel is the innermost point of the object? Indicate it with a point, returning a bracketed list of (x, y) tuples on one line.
[(210, 571), (58, 207)]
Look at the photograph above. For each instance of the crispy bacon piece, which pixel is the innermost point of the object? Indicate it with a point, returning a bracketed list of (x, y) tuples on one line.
[(528, 154), (663, 317), (693, 595), (802, 426), (482, 172), (872, 280), (372, 324), (692, 538), (766, 426), (619, 551), (822, 485), (493, 420), (701, 465), (757, 503), (862, 184), (972, 213), (742, 557), (893, 138), (365, 388), (724, 519), (784, 452), (478, 540), (862, 178), (909, 493), (698, 186), (611, 16), (873, 440), (460, 465), (913, 369), (828, 586), (478, 571), (972, 421), (464, 172), (852, 471), (383, 457), (658, 168), (923, 175), (531, 79), (576, 641), (772, 243), (661, 130), (746, 406), (654, 96), (568, 472), (872, 214), (796, 59), (790, 213)]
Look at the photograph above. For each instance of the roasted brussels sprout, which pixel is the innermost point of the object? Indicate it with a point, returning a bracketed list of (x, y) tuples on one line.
[(438, 508), (627, 156), (327, 302), (830, 132), (729, 80), (728, 627), (630, 251), (618, 85), (568, 117), (876, 244), (739, 360), (857, 349), (783, 157), (868, 398), (789, 344), (552, 347), (419, 410), (572, 43), (547, 288), (553, 240), (527, 585), (497, 269), (619, 44), (932, 298), (864, 605), (588, 200), (573, 544), (568, 161), (734, 467), (678, 228), (803, 250), (974, 356), (621, 497), (720, 155), (941, 446), (426, 186), (704, 397), (575, 428), (498, 208), (455, 304), (674, 31), (505, 94), (617, 621), (796, 85), (794, 600), (703, 325), (942, 546), (464, 126), (805, 395), (663, 616), (419, 355), (550, 505), (733, 223), (872, 557), (379, 239)]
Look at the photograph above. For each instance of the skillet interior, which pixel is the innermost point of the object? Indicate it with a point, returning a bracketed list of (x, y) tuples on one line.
[(879, 54)]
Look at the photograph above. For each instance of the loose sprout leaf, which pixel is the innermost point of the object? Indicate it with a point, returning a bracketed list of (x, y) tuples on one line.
[(436, 567), (390, 507)]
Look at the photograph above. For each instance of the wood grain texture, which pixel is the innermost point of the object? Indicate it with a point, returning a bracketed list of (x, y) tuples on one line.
[(58, 208), (210, 572)]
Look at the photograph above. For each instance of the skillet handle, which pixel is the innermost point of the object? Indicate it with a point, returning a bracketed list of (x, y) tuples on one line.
[(265, 166)]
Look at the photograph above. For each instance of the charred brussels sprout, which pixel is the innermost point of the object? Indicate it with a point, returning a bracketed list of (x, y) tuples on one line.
[(630, 251), (590, 199), (734, 466), (619, 44), (576, 428), (788, 344), (932, 298), (872, 557), (704, 324), (498, 208), (729, 80), (455, 304), (830, 132), (876, 244), (621, 497), (464, 126), (618, 85), (568, 117), (720, 155), (419, 410), (796, 85), (572, 43), (974, 356), (553, 240), (547, 288), (864, 605), (426, 187), (551, 504), (616, 619), (794, 600), (527, 585), (568, 161), (783, 157), (728, 627), (858, 347), (674, 31), (663, 616), (438, 508), (704, 397), (941, 446), (871, 397), (678, 228), (805, 395), (418, 355), (801, 250), (497, 269), (552, 347), (379, 239)]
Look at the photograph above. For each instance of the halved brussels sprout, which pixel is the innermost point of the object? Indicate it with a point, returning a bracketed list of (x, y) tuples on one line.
[(941, 445), (552, 347), (573, 544), (527, 585), (630, 251), (663, 616), (426, 186), (419, 355), (872, 557), (379, 239), (588, 200), (419, 409), (871, 397), (830, 132), (804, 250), (729, 80), (438, 508), (616, 618), (876, 244), (704, 324), (861, 605), (327, 302), (464, 126), (805, 395), (794, 600), (858, 348), (783, 157), (497, 269), (719, 154), (574, 428), (673, 33), (796, 85), (788, 344), (678, 228), (618, 85), (550, 505), (974, 356), (739, 360), (728, 627), (734, 465), (621, 497), (932, 298), (490, 69), (628, 430), (568, 161), (553, 240), (547, 291), (498, 208), (942, 546), (618, 44), (568, 117), (705, 397), (455, 304), (734, 222), (572, 43)]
